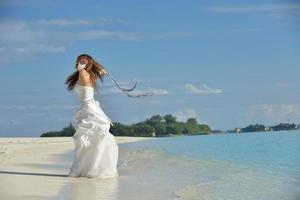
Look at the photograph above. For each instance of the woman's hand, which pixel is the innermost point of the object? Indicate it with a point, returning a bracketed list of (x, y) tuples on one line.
[(103, 71)]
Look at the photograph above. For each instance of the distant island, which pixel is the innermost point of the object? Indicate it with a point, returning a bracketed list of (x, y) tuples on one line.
[(260, 127), (167, 125), (155, 126)]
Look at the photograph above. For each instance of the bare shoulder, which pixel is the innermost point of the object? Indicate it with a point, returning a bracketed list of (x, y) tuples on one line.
[(84, 78), (84, 74)]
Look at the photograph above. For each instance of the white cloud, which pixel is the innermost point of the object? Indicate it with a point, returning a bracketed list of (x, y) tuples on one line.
[(9, 122), (183, 115), (36, 107), (105, 34), (131, 83), (26, 3), (173, 34), (81, 22), (119, 21), (63, 22), (126, 84), (278, 112), (157, 91), (34, 49), (255, 8), (22, 32), (21, 40), (26, 52), (276, 11), (190, 88), (247, 29)]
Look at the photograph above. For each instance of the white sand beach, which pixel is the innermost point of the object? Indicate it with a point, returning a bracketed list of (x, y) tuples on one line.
[(169, 168), (30, 167)]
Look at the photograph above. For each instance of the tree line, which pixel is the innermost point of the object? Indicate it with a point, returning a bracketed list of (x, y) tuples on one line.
[(156, 125)]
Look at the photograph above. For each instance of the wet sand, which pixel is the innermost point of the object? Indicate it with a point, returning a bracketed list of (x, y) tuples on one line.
[(37, 168)]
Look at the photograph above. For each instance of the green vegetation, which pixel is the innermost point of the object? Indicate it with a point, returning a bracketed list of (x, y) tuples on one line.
[(261, 127), (167, 125), (160, 126), (254, 128), (65, 132), (154, 126)]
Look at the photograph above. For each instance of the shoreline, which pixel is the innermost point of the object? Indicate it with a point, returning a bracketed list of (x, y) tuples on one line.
[(35, 167), (13, 148)]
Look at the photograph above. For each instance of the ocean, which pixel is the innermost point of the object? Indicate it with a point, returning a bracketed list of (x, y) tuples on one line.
[(239, 166), (257, 165)]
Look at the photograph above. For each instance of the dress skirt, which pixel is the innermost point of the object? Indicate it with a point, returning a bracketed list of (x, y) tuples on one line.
[(96, 151)]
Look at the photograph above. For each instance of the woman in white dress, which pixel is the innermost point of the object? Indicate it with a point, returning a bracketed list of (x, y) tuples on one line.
[(96, 150)]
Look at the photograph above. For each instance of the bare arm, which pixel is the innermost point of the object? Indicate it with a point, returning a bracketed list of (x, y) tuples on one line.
[(84, 78)]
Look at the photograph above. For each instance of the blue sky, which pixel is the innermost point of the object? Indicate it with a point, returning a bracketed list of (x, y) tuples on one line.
[(227, 63)]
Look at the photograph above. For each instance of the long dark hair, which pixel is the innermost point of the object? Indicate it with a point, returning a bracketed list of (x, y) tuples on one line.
[(97, 70), (94, 68)]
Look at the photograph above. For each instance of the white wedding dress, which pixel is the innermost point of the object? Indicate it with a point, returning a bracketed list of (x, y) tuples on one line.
[(96, 150)]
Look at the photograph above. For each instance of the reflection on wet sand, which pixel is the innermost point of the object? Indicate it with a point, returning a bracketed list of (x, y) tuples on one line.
[(90, 188)]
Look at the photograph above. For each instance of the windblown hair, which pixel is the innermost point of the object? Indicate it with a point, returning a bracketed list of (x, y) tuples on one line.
[(94, 68)]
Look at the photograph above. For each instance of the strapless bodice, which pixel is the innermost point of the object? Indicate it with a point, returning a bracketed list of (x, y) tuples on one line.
[(85, 93), (96, 151)]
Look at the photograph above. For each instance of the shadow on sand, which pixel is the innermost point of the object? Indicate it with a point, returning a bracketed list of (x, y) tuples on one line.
[(34, 174)]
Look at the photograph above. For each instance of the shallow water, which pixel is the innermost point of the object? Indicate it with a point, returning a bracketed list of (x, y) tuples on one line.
[(261, 165)]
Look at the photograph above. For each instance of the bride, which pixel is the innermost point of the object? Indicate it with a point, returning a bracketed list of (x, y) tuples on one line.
[(96, 150)]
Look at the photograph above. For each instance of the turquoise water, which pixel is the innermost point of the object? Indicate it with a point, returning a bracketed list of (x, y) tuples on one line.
[(277, 151), (260, 165), (244, 166)]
